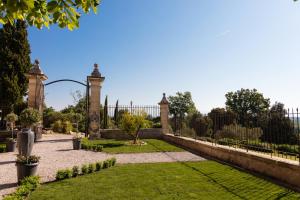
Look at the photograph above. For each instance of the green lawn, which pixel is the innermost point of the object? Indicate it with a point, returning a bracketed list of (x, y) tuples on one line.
[(117, 146), (188, 180)]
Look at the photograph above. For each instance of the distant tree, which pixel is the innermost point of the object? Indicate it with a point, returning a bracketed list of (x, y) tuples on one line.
[(105, 114), (247, 104), (181, 104), (14, 63), (201, 124), (221, 117), (278, 126), (76, 118), (116, 113), (39, 13)]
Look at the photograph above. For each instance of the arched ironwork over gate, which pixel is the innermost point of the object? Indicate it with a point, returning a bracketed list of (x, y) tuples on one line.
[(86, 96)]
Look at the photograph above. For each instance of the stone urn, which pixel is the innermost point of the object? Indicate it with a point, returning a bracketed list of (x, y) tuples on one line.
[(25, 141)]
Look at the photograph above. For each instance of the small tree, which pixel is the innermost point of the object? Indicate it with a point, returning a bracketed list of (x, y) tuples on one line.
[(77, 117), (30, 117), (11, 119), (132, 124)]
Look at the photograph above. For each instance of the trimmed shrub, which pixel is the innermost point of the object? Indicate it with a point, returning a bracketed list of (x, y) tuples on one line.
[(91, 168), (113, 161), (63, 174), (84, 169), (27, 185), (75, 171), (98, 166), (2, 148), (157, 125), (106, 164), (87, 145)]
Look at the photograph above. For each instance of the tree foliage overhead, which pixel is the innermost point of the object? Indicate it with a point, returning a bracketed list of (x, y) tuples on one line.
[(14, 63), (39, 13)]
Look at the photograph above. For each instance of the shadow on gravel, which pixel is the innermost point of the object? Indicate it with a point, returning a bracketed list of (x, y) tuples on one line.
[(54, 141), (64, 150), (6, 162), (8, 185)]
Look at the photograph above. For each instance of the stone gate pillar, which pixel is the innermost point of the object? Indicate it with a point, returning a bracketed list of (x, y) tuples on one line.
[(164, 114), (95, 82), (36, 92), (36, 87)]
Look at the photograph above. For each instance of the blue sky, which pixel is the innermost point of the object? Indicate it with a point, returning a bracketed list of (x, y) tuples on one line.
[(147, 47)]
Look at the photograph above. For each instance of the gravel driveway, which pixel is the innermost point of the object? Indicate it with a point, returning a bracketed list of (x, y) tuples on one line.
[(56, 153)]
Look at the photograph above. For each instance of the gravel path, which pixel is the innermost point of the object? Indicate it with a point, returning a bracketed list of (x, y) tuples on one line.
[(56, 153)]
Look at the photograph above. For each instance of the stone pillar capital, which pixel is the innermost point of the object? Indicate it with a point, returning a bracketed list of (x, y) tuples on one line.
[(164, 114)]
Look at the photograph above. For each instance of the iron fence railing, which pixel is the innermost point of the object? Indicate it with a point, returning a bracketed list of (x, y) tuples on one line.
[(275, 133), (152, 111)]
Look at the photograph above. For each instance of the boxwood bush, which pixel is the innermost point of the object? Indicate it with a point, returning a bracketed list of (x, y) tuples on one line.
[(91, 168), (98, 166), (87, 145), (85, 169), (27, 185), (64, 174), (75, 171), (2, 148)]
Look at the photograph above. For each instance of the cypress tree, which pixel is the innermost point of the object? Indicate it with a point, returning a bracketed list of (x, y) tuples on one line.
[(105, 118), (116, 113), (14, 63)]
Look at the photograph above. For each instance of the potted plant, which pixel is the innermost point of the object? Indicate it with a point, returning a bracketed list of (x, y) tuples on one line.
[(26, 166), (77, 141), (28, 118), (11, 142)]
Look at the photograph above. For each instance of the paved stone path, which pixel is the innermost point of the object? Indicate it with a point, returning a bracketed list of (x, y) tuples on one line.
[(56, 153)]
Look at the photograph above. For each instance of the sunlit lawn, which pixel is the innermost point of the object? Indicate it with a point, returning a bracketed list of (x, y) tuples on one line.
[(188, 180), (122, 146)]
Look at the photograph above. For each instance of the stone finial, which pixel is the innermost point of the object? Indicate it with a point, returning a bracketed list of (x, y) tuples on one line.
[(164, 100), (36, 68), (96, 72)]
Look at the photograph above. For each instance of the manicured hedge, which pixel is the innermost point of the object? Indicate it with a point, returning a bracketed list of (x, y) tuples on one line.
[(85, 169), (87, 145), (27, 185)]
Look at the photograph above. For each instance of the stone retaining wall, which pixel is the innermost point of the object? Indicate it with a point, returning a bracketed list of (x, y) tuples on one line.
[(151, 133), (283, 170)]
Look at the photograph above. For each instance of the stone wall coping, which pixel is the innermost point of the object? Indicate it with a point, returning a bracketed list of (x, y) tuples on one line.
[(250, 153)]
